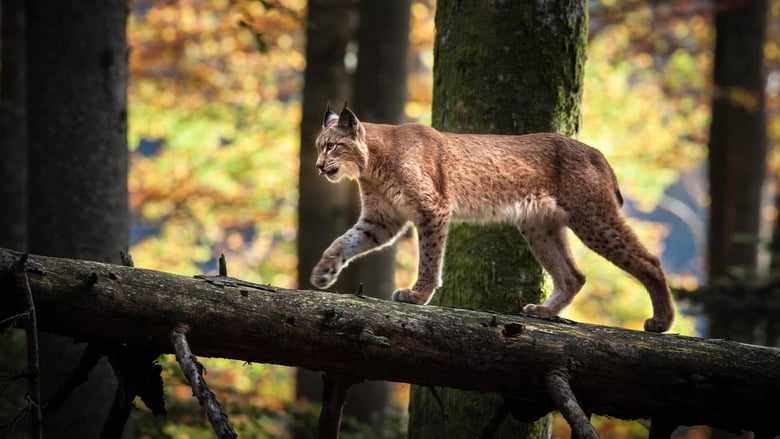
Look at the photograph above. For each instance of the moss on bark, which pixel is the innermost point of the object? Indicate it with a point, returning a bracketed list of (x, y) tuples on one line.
[(489, 267), (501, 67)]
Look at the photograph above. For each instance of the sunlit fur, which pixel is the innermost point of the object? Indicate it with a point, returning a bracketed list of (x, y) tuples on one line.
[(543, 183), (347, 154)]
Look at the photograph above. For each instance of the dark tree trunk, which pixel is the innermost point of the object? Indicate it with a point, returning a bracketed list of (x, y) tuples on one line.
[(383, 50), (77, 107), (737, 161), (379, 96), (13, 127), (503, 68), (324, 210), (737, 153), (13, 185)]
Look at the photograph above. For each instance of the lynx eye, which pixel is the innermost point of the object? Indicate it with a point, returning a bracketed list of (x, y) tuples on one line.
[(329, 147)]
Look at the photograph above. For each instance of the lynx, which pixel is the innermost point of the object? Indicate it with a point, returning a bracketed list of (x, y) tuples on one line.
[(542, 182)]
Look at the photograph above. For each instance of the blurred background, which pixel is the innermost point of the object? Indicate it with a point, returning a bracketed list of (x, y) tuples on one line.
[(215, 94)]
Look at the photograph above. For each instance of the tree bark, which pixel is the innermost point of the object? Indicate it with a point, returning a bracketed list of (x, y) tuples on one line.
[(503, 68), (13, 175), (324, 210), (383, 50), (77, 167), (379, 95), (13, 127), (611, 371), (737, 154)]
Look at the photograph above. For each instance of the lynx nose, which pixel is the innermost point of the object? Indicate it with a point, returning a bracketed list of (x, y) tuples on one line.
[(321, 168)]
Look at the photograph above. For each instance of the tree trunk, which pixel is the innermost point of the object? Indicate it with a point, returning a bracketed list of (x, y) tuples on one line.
[(379, 96), (612, 371), (324, 209), (383, 50), (77, 80), (503, 68), (737, 154), (13, 190), (737, 161), (13, 127)]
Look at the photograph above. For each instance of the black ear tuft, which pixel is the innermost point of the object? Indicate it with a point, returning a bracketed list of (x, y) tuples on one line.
[(347, 119), (329, 117)]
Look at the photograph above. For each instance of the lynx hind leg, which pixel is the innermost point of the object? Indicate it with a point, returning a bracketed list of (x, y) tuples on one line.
[(409, 295), (549, 245), (608, 235)]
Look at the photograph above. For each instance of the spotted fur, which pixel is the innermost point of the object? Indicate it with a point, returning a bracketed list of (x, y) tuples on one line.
[(543, 183)]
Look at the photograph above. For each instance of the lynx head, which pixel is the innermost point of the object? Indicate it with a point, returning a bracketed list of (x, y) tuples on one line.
[(341, 146)]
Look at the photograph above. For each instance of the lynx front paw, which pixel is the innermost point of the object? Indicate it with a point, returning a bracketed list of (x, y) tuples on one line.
[(539, 310), (411, 296), (325, 273)]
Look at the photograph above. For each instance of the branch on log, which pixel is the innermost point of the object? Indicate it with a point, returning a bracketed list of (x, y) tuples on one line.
[(566, 402), (193, 370), (614, 372), (33, 359), (334, 394), (139, 374)]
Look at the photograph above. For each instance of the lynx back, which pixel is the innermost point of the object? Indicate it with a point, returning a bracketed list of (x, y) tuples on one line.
[(543, 183)]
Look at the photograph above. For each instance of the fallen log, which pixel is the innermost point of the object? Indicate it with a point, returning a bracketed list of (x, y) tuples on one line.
[(674, 380)]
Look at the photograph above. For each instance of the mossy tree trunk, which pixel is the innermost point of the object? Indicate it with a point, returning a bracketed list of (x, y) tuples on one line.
[(502, 68)]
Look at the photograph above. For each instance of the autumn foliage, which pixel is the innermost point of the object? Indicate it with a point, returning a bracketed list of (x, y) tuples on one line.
[(214, 109)]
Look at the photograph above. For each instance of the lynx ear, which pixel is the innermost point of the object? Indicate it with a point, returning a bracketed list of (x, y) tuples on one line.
[(347, 119), (329, 117)]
